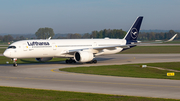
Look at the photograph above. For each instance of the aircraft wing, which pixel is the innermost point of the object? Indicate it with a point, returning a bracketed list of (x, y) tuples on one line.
[(113, 47), (98, 48)]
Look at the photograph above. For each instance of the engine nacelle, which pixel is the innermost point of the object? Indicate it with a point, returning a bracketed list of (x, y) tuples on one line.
[(83, 56), (43, 59)]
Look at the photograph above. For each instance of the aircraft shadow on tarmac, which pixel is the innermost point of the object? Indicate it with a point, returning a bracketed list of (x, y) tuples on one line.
[(61, 62), (103, 59), (28, 62)]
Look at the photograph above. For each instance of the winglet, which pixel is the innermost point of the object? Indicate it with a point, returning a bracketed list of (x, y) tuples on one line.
[(171, 38), (49, 38)]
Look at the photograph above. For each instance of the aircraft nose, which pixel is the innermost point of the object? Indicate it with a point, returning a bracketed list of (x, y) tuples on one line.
[(6, 54)]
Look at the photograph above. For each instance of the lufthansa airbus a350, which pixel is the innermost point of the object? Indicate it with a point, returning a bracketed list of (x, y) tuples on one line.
[(77, 50)]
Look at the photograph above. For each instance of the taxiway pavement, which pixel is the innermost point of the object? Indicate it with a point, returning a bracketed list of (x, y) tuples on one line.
[(47, 76)]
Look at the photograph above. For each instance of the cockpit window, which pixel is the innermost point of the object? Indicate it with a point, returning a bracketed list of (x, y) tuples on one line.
[(11, 47)]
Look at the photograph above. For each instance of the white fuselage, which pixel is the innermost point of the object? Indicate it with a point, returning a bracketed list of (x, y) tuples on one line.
[(78, 50), (60, 47)]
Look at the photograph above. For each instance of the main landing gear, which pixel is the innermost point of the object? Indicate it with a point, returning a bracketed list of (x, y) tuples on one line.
[(14, 62), (94, 61), (70, 61)]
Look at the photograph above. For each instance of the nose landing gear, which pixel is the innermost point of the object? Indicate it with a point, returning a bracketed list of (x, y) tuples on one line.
[(14, 62)]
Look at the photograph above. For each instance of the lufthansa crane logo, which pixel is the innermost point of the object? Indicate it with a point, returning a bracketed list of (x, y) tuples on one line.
[(134, 33)]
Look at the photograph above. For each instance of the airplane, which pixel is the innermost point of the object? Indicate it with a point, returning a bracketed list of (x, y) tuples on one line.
[(77, 50)]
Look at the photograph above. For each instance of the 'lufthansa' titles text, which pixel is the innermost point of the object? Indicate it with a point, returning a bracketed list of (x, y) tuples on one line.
[(38, 44)]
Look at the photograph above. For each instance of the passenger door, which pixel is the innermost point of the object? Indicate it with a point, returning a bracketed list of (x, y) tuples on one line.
[(25, 47)]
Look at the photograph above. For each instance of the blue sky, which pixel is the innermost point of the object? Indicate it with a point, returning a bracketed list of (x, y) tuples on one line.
[(82, 16)]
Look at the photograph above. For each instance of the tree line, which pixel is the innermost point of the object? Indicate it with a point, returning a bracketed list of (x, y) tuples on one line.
[(9, 38), (115, 33), (44, 33), (158, 36), (119, 33)]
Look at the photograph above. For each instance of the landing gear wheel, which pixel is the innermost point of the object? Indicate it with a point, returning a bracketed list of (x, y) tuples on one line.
[(15, 65), (74, 61), (94, 61), (70, 61), (67, 61)]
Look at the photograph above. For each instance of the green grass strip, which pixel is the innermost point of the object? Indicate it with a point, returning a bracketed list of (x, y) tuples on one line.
[(21, 94), (167, 65), (172, 42), (132, 70), (2, 50)]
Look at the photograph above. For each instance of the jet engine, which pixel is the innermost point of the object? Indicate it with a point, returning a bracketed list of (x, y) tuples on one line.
[(83, 56), (43, 59)]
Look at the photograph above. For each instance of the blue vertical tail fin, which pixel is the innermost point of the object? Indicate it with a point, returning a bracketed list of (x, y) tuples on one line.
[(133, 32)]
